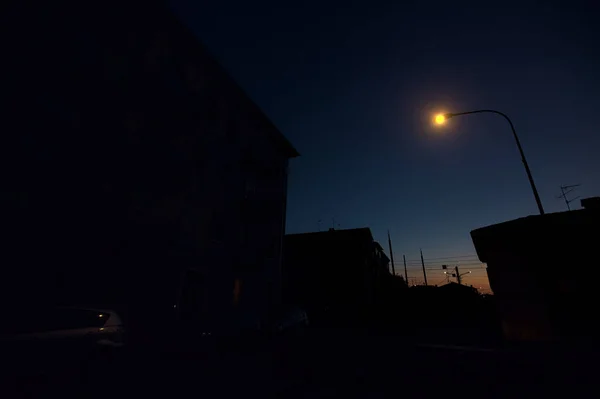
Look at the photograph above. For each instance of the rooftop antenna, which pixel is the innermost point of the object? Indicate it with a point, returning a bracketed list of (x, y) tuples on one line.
[(565, 191)]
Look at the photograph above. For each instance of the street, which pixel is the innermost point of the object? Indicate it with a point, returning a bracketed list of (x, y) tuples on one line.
[(318, 364)]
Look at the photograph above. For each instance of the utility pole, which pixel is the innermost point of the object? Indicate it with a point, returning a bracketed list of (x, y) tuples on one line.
[(423, 264), (459, 276), (565, 190), (391, 254), (405, 272)]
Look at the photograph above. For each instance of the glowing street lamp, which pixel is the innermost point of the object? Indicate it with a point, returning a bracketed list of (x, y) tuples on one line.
[(440, 119)]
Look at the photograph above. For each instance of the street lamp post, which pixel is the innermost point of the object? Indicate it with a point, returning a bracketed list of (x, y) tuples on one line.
[(440, 119)]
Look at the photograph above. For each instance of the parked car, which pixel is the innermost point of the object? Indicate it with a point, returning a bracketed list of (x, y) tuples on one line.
[(52, 345), (63, 326)]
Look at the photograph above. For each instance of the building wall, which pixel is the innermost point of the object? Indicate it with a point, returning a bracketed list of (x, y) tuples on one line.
[(539, 268), (335, 272), (135, 158)]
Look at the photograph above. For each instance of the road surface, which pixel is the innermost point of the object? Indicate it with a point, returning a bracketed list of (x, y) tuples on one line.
[(319, 364)]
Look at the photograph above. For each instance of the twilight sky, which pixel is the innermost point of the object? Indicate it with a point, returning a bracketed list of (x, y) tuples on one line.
[(354, 85)]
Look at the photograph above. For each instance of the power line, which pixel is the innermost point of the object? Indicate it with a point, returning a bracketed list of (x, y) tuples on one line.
[(445, 279), (453, 257), (434, 266), (445, 260), (440, 270), (467, 264), (474, 255), (439, 266), (474, 258), (470, 268)]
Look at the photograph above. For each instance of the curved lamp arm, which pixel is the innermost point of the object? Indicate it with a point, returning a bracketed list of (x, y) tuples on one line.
[(514, 132)]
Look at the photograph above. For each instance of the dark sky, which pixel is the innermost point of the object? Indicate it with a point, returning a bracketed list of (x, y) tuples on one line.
[(354, 85)]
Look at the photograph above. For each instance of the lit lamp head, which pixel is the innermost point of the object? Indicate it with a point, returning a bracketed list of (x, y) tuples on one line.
[(440, 119)]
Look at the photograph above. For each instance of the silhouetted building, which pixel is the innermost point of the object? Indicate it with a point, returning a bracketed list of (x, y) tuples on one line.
[(458, 290), (134, 161), (592, 203), (450, 314), (335, 273), (541, 269)]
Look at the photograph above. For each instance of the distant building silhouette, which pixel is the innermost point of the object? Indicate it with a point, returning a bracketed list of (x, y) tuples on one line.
[(459, 290), (335, 273), (542, 270), (133, 162), (451, 314)]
